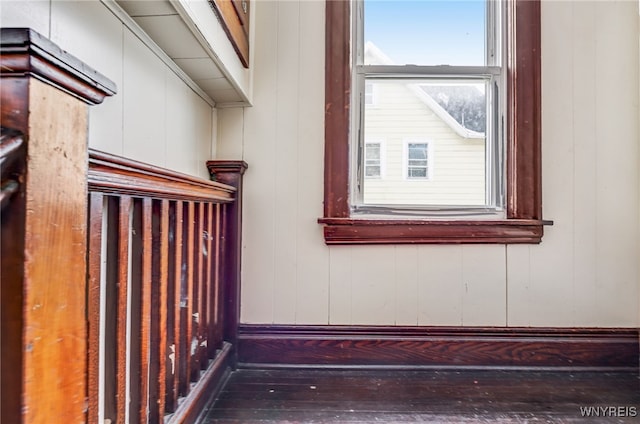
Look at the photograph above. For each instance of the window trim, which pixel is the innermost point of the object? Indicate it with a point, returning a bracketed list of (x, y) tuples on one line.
[(523, 222)]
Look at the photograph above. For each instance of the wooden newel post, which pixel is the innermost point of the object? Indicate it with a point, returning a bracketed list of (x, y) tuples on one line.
[(230, 172), (45, 93)]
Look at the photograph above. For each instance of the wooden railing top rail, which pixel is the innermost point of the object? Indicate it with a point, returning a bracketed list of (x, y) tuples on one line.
[(113, 174)]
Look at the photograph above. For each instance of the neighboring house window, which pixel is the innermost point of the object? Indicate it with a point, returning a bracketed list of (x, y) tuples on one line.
[(417, 163), (369, 98), (373, 160), (505, 82)]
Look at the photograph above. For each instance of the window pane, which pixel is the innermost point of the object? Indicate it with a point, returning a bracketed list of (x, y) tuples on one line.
[(417, 151), (372, 171), (373, 151), (425, 32), (417, 172), (434, 132)]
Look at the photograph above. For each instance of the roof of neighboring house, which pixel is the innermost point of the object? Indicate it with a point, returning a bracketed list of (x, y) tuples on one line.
[(462, 107)]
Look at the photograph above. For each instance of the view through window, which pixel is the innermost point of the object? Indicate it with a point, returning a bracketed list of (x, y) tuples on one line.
[(436, 70)]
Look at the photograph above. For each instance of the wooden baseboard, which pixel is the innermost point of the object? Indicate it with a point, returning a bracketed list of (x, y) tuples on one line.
[(437, 347), (205, 390)]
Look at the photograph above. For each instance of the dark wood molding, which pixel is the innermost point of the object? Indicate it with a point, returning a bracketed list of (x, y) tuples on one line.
[(524, 132), (437, 347), (207, 388), (25, 52), (114, 174), (337, 107), (230, 172), (370, 231), (235, 22), (524, 181)]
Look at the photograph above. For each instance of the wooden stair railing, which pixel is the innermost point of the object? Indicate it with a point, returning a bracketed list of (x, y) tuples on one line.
[(158, 269), (45, 94), (118, 280)]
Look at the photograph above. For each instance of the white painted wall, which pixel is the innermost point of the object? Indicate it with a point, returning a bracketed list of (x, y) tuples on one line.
[(584, 273), (155, 117)]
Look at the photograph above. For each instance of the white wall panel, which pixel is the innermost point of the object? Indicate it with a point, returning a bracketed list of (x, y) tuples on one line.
[(440, 285), (405, 288), (26, 14), (230, 133), (340, 290), (188, 132), (582, 39), (617, 167), (285, 150), (373, 285), (484, 286), (312, 272), (259, 209), (144, 96)]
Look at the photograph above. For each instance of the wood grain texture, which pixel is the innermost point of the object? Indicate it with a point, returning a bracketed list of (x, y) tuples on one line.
[(456, 347), (55, 239), (524, 176), (114, 174), (366, 231), (122, 300), (94, 270), (236, 25), (230, 173), (523, 173), (158, 322), (337, 107), (430, 396)]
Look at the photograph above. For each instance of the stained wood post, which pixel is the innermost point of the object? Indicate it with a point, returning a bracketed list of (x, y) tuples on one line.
[(230, 172), (45, 93)]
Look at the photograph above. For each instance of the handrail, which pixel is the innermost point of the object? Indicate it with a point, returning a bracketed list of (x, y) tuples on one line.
[(117, 175), (161, 245)]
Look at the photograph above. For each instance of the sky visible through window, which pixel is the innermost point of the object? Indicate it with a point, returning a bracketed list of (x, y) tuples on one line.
[(427, 32)]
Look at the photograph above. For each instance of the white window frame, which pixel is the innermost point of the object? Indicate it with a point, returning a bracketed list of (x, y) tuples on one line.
[(495, 151), (405, 159)]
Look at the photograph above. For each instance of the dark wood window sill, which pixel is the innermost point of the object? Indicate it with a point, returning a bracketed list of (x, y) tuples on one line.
[(388, 231)]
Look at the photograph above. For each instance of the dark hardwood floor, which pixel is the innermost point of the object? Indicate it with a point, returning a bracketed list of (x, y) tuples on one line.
[(308, 396)]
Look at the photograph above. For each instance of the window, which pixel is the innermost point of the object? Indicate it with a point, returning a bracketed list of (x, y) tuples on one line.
[(451, 89), (369, 96), (521, 221), (417, 162), (373, 160)]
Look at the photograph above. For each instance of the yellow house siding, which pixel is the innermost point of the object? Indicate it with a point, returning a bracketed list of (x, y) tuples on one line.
[(457, 164)]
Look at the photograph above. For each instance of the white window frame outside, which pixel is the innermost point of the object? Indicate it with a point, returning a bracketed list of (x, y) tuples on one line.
[(494, 72)]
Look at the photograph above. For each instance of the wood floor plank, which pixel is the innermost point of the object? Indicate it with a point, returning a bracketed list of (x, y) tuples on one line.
[(270, 396)]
